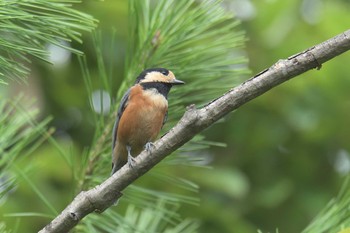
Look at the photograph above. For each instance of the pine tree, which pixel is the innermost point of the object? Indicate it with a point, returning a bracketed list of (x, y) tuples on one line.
[(198, 40)]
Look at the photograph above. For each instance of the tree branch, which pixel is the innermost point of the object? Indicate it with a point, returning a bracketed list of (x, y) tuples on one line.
[(194, 121)]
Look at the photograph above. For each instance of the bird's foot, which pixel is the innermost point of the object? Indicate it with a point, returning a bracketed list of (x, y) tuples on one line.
[(131, 161), (149, 146)]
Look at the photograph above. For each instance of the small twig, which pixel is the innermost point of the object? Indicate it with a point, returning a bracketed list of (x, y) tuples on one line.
[(195, 120)]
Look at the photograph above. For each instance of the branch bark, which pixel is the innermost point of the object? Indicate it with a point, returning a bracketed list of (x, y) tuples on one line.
[(194, 121)]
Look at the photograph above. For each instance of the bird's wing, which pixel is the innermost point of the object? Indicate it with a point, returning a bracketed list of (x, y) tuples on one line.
[(122, 106)]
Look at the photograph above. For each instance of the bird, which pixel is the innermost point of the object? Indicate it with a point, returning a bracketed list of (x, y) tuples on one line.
[(141, 115)]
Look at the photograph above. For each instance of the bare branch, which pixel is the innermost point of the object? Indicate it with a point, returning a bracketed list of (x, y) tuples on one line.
[(194, 121)]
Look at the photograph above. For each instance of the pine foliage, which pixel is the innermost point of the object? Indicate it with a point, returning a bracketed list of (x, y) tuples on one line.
[(198, 40), (20, 135), (26, 27), (336, 215), (202, 44)]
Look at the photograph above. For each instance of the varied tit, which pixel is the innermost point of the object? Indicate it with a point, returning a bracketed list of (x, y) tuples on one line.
[(141, 115)]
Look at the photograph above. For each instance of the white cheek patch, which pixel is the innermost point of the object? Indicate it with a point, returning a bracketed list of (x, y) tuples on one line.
[(155, 77)]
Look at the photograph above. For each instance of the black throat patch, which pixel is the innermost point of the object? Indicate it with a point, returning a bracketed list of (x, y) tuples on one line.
[(162, 88)]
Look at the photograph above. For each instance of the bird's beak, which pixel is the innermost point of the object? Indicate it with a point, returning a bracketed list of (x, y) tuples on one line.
[(177, 82)]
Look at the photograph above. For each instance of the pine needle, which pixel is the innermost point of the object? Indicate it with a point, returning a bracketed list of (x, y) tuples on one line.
[(19, 136), (336, 215), (28, 26)]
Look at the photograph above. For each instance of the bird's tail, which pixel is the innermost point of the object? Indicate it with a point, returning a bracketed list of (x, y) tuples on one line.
[(119, 158), (116, 166)]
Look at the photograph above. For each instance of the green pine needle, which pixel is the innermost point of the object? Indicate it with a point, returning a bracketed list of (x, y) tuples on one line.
[(3, 228), (28, 26), (336, 215), (29, 214), (158, 217), (19, 137)]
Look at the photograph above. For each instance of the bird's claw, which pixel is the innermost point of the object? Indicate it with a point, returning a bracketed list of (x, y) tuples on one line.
[(149, 146), (131, 161)]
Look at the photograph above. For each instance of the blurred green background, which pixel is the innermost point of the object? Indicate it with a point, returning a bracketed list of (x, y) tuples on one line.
[(287, 151)]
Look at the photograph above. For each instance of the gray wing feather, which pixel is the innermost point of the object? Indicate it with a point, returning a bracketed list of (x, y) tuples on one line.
[(165, 118), (122, 106)]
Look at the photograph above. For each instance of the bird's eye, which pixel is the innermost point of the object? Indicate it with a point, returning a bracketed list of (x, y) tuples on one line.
[(164, 72)]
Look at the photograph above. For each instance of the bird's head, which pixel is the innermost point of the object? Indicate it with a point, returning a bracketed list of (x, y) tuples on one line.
[(158, 75)]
